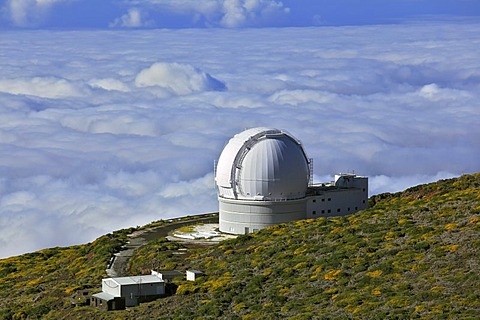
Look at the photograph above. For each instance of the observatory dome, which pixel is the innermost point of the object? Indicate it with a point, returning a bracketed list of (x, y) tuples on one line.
[(262, 164)]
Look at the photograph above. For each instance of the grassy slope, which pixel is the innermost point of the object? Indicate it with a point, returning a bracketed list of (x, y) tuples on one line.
[(33, 284), (414, 254)]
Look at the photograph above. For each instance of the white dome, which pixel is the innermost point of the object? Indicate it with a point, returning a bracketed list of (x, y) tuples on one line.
[(262, 164)]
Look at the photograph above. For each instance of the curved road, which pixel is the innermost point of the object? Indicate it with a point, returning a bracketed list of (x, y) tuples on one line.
[(118, 267)]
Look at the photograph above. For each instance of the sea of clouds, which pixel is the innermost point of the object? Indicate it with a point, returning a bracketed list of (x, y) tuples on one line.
[(101, 130)]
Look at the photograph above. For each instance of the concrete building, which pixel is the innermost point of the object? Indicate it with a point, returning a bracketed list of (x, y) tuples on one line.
[(107, 302), (193, 275), (264, 177), (121, 292)]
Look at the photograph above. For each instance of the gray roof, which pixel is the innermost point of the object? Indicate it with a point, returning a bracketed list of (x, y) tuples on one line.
[(170, 272), (104, 296), (136, 280)]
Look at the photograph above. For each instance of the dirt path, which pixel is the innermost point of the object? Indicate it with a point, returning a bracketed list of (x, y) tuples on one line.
[(118, 267)]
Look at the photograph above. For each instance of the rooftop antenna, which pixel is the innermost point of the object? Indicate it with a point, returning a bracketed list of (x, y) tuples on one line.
[(214, 172), (310, 167)]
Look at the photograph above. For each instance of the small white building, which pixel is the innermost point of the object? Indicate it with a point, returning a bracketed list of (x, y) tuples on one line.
[(134, 290), (193, 275), (264, 177)]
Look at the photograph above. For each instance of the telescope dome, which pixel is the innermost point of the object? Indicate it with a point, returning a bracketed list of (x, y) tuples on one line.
[(263, 164)]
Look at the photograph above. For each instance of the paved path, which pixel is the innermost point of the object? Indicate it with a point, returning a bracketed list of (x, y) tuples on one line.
[(118, 267)]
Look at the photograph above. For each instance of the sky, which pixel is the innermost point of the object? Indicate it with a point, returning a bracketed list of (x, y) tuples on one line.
[(117, 121), (94, 14)]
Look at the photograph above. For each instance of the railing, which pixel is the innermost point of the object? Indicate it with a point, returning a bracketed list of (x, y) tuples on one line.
[(265, 199)]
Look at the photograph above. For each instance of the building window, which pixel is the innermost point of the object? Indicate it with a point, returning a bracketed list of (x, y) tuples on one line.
[(314, 200), (363, 201), (363, 189), (329, 199), (338, 210), (356, 208), (348, 209), (314, 212), (329, 211), (323, 211), (323, 200)]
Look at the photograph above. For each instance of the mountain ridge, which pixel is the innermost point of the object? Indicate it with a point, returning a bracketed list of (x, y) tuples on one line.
[(412, 254)]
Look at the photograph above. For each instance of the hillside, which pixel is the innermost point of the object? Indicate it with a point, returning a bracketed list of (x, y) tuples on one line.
[(413, 254)]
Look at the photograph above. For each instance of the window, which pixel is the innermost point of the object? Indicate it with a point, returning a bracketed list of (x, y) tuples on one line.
[(363, 201), (348, 209), (329, 199), (338, 210), (314, 212), (329, 211), (323, 200), (323, 211), (363, 189), (356, 208), (314, 200)]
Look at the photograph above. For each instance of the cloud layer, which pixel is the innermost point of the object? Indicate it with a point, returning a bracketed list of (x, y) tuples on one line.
[(144, 14), (174, 14), (94, 138)]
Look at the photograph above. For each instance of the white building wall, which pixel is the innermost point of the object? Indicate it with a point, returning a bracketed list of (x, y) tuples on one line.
[(111, 287), (131, 292), (348, 197), (192, 275), (243, 217)]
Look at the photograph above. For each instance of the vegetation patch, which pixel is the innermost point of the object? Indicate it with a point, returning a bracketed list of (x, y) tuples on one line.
[(414, 254)]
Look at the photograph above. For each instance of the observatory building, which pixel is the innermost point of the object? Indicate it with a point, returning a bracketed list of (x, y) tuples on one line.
[(264, 177)]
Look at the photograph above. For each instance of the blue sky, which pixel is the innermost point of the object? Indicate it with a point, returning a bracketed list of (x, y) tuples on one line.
[(81, 14)]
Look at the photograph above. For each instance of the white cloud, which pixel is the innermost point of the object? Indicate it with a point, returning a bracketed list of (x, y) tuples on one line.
[(109, 84), (27, 13), (100, 137), (134, 18), (224, 13), (178, 78), (378, 184), (49, 87)]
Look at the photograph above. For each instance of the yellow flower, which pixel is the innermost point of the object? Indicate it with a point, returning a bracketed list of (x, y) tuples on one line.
[(331, 290), (331, 275), (419, 308), (374, 274), (451, 247), (336, 230), (437, 289), (451, 226)]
